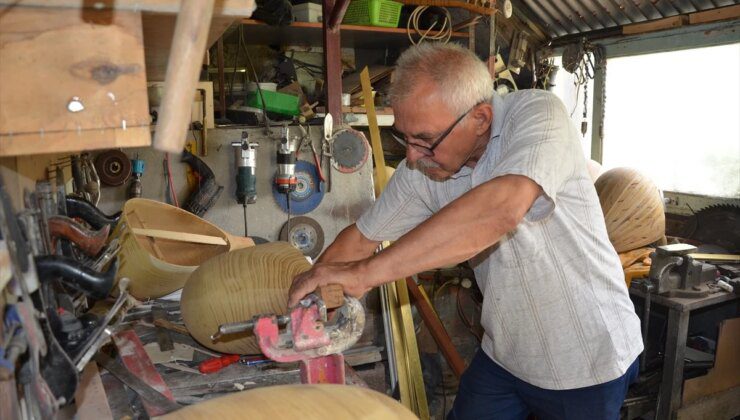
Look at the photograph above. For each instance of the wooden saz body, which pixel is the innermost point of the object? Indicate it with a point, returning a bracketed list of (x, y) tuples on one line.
[(326, 401), (236, 286), (162, 244), (633, 208)]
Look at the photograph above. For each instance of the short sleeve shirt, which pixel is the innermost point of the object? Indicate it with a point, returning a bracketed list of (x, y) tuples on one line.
[(556, 311)]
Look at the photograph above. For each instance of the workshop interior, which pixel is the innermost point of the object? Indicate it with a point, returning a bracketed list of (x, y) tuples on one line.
[(167, 167)]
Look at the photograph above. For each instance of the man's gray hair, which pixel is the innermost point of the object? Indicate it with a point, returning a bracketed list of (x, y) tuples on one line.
[(461, 77)]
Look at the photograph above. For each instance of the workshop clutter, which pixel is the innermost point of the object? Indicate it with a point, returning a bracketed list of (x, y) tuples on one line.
[(236, 286), (162, 244)]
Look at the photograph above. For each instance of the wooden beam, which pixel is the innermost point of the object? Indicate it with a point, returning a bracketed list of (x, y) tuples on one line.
[(722, 13), (436, 329), (332, 66), (337, 14), (236, 8), (183, 68), (454, 3), (655, 25)]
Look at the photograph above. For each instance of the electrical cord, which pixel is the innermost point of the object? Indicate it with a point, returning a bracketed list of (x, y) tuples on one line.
[(442, 35), (243, 44)]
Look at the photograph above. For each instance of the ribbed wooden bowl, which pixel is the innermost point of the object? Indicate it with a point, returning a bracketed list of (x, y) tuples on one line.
[(237, 286), (633, 208), (157, 266), (319, 402)]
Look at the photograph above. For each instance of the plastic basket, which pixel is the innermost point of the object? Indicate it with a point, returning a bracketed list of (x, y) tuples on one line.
[(281, 103), (373, 13)]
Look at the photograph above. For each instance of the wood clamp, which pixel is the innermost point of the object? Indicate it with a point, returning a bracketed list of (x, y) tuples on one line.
[(310, 337)]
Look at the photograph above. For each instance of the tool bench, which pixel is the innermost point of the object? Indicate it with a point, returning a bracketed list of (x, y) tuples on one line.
[(679, 312), (155, 385)]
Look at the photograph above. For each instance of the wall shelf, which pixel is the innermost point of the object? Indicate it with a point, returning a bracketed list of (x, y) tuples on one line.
[(309, 34)]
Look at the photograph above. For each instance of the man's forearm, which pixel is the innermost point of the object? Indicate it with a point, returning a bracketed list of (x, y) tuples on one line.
[(459, 231), (350, 245)]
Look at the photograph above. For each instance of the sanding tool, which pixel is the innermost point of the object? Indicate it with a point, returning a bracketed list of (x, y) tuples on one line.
[(350, 150), (305, 234), (245, 154), (113, 167), (306, 196), (310, 337)]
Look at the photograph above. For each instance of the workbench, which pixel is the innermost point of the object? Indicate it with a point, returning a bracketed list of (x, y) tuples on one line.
[(158, 324), (679, 311)]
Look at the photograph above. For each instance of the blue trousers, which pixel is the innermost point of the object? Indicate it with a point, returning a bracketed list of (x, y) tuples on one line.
[(487, 391)]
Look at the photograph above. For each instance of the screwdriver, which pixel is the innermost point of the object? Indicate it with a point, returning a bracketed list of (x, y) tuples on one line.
[(215, 364)]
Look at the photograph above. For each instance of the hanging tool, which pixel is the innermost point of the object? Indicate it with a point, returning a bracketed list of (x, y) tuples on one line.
[(114, 167), (309, 337), (305, 234), (207, 191), (326, 148), (137, 171), (285, 179), (83, 209), (350, 150), (306, 196), (88, 241), (245, 154)]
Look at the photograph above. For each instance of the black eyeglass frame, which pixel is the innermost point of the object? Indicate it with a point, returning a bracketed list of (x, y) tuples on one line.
[(429, 150)]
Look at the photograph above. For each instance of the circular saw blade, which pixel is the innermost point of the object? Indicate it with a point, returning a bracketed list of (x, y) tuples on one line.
[(306, 197), (350, 150), (305, 235)]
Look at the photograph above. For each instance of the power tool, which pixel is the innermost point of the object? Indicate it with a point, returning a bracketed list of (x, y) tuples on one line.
[(137, 170), (285, 178), (245, 154)]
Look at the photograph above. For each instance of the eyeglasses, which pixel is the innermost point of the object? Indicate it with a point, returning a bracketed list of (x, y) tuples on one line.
[(428, 150)]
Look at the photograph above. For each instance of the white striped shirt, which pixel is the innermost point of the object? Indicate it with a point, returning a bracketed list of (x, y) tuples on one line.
[(555, 305)]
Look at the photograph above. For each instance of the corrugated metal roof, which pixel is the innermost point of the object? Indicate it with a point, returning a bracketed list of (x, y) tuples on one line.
[(559, 18)]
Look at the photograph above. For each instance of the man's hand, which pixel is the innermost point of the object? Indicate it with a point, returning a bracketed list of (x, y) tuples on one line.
[(349, 275)]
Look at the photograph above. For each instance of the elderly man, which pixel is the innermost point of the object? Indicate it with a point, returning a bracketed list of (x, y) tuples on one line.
[(502, 183)]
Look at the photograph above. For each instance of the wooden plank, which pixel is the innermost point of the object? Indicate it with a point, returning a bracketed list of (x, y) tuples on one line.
[(183, 66), (655, 25), (726, 371), (724, 405), (716, 257), (471, 7), (50, 56), (722, 13), (179, 236), (38, 143), (436, 329), (236, 8), (309, 34), (90, 398), (158, 31)]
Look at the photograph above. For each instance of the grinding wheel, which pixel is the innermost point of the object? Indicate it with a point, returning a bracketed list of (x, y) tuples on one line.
[(305, 235), (350, 150), (306, 196), (113, 167)]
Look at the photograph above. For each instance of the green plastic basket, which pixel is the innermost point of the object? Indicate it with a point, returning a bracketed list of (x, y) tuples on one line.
[(373, 13), (281, 103)]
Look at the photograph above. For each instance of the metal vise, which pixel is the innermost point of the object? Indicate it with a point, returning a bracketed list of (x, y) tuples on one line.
[(309, 337), (674, 269)]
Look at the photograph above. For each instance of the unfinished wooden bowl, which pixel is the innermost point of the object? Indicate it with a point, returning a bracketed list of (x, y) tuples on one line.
[(320, 402), (633, 208), (160, 260), (237, 286)]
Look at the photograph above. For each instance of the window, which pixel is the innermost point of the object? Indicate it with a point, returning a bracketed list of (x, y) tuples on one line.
[(675, 116)]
